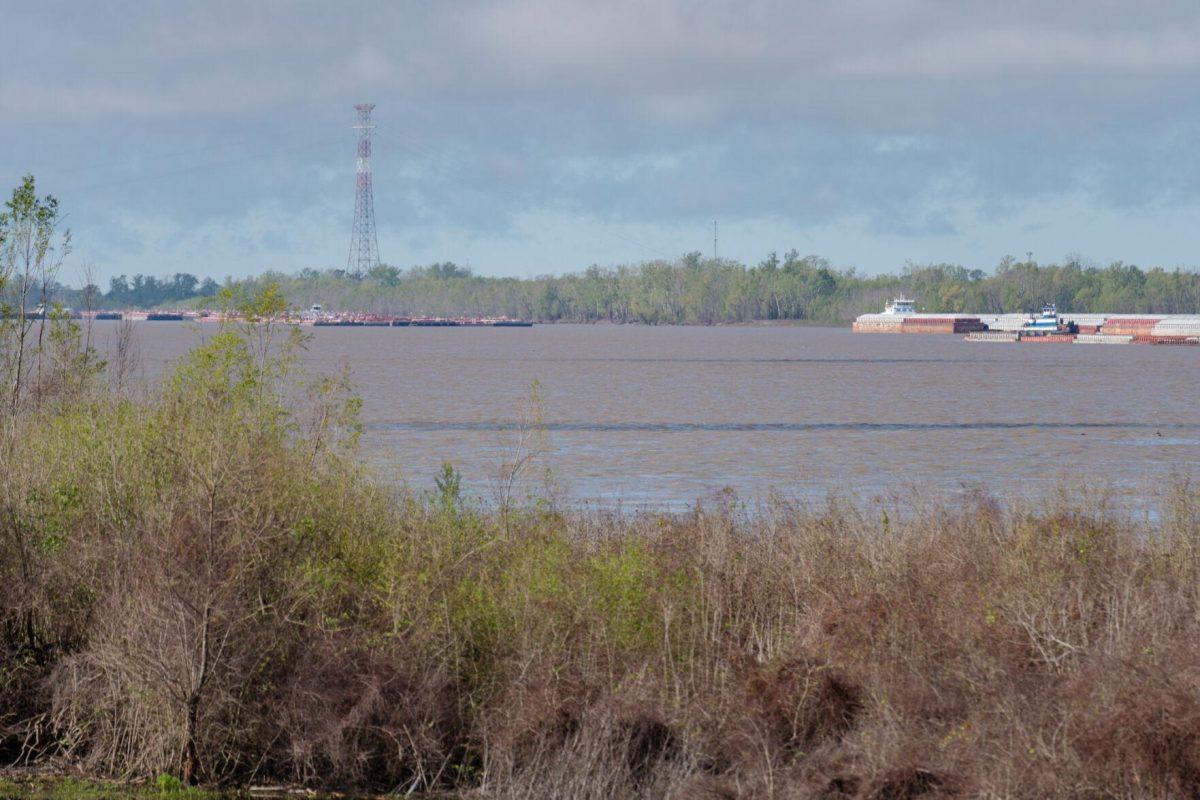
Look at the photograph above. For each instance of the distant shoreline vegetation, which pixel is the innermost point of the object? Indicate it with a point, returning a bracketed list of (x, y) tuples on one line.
[(690, 290)]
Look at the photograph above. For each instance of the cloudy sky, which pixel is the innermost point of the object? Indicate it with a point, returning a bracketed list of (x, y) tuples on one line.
[(527, 136)]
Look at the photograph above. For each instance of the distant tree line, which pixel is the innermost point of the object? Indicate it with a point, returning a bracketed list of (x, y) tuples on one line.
[(146, 290), (140, 291), (696, 290), (691, 290)]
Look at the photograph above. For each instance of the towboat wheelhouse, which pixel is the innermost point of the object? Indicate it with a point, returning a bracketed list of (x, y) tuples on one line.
[(1046, 322)]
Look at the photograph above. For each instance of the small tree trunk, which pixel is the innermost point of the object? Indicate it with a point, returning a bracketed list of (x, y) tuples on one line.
[(190, 763)]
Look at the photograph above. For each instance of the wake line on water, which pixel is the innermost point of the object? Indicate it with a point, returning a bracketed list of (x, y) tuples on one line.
[(767, 427), (740, 361)]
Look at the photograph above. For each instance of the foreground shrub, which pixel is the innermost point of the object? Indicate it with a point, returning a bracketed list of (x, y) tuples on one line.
[(201, 583)]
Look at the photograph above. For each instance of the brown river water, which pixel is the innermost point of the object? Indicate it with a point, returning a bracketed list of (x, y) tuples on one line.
[(663, 417)]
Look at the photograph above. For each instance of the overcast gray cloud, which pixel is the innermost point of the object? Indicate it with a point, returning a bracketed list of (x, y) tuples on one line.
[(873, 131)]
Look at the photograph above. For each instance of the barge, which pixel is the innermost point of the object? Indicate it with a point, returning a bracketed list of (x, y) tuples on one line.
[(1049, 326), (1102, 338), (901, 316), (315, 315)]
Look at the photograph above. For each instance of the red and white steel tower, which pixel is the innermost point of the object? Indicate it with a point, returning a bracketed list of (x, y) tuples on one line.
[(364, 246)]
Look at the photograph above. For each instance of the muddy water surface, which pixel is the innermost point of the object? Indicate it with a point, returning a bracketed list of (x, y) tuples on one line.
[(664, 416)]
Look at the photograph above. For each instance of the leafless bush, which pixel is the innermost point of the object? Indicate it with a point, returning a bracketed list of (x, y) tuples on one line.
[(126, 356), (349, 716)]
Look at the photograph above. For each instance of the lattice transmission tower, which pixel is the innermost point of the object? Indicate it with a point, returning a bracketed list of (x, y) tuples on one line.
[(364, 246)]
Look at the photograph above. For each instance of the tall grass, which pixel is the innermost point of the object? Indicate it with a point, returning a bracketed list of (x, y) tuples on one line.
[(201, 582)]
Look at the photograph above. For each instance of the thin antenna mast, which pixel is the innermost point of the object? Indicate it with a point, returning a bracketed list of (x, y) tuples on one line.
[(714, 240)]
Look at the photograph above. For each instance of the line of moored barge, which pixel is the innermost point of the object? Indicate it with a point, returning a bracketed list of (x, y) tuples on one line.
[(1048, 327), (315, 320)]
